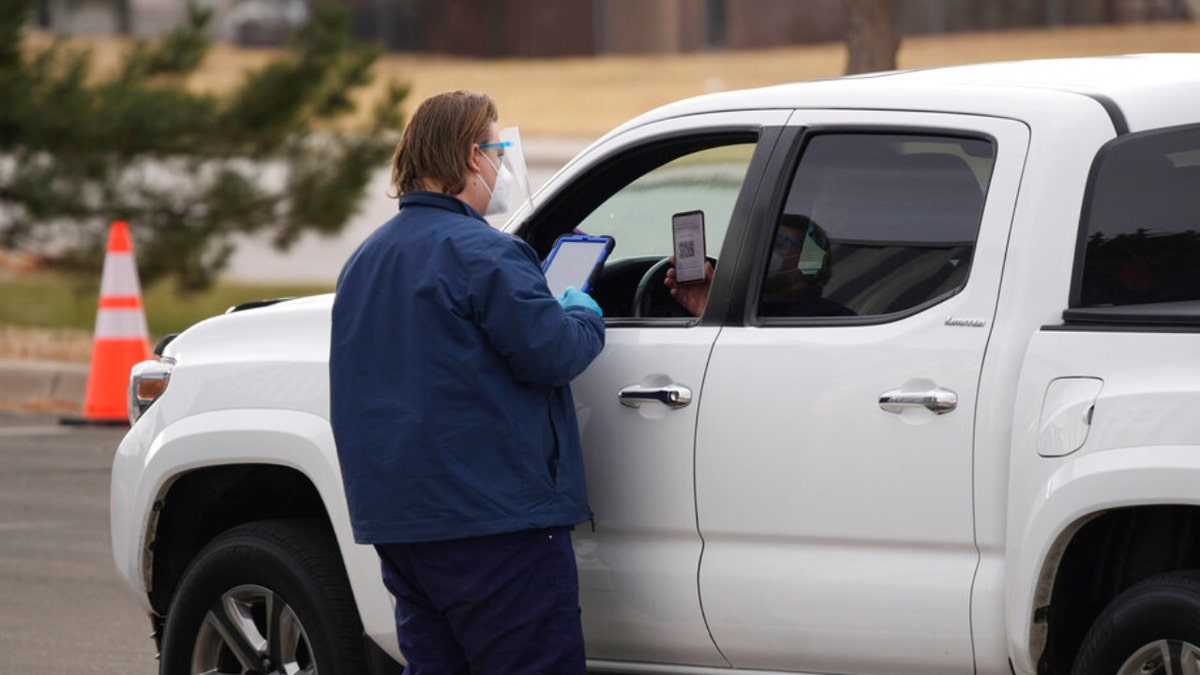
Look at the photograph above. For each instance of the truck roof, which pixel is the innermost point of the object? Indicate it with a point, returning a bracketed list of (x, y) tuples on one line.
[(1137, 91)]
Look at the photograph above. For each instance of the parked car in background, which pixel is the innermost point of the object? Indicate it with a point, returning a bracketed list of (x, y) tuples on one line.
[(940, 414), (257, 23)]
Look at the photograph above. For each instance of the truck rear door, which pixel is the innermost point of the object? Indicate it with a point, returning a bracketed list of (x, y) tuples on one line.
[(834, 445)]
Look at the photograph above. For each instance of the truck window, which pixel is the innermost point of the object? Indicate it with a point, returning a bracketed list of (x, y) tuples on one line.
[(876, 225), (631, 196), (639, 214), (1140, 230)]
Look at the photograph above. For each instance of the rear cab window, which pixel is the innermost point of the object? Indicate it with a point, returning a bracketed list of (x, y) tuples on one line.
[(1138, 254)]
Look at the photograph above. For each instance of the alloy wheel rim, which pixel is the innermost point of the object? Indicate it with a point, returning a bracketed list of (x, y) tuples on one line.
[(1163, 657), (251, 630)]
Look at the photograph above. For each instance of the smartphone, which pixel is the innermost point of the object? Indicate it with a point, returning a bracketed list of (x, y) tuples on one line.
[(687, 230)]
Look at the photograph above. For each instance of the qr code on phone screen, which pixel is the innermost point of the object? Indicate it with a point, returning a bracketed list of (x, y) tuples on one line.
[(687, 249)]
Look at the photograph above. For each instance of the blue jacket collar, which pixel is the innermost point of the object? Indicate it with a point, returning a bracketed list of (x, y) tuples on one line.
[(439, 201)]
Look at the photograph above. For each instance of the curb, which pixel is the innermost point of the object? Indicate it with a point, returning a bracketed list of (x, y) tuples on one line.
[(39, 383)]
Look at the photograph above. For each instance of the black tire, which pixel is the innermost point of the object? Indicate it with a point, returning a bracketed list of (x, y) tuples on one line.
[(1152, 628), (278, 583)]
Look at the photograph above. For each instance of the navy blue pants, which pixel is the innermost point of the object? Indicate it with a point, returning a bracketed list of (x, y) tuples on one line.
[(504, 604)]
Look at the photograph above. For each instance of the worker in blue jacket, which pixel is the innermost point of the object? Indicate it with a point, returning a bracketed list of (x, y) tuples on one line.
[(450, 364)]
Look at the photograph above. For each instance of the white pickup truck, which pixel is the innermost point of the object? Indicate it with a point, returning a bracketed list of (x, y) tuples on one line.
[(940, 414)]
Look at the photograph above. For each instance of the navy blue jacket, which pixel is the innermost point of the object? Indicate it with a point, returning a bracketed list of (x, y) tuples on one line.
[(449, 370)]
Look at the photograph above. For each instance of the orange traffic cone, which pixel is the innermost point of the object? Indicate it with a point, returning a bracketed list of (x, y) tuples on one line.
[(121, 337)]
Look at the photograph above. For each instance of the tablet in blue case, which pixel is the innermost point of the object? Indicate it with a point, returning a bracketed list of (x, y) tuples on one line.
[(575, 260)]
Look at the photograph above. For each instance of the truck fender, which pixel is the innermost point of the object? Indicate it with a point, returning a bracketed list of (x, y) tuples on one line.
[(1080, 489), (298, 440)]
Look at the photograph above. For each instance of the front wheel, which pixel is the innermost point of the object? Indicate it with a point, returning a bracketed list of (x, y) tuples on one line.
[(269, 597), (1153, 628)]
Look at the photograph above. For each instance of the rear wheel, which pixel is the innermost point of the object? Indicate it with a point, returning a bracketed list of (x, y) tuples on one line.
[(265, 598), (1153, 628)]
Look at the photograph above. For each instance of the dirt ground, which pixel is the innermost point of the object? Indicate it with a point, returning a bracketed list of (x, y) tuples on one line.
[(585, 97), (45, 344)]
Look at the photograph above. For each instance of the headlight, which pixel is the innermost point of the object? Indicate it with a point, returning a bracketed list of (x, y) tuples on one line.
[(147, 381)]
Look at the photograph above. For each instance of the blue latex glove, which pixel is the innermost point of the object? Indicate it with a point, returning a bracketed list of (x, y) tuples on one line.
[(573, 297)]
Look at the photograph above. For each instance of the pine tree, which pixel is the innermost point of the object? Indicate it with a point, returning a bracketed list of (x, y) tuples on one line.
[(191, 171)]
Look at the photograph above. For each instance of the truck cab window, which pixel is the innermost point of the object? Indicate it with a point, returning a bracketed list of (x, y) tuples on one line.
[(632, 199), (1141, 225), (876, 225)]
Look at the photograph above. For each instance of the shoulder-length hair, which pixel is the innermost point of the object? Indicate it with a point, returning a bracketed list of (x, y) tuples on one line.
[(438, 141)]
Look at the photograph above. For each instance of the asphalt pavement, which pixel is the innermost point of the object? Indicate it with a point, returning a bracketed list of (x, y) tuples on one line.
[(63, 609)]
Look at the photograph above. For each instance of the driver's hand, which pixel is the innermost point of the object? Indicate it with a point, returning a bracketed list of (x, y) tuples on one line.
[(691, 297)]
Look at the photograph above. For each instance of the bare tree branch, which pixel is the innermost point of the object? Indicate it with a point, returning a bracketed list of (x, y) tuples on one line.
[(871, 36)]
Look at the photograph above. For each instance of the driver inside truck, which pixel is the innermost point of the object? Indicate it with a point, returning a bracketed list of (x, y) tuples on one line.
[(798, 269)]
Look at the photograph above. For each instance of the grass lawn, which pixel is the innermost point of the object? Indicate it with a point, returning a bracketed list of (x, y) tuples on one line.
[(50, 316)]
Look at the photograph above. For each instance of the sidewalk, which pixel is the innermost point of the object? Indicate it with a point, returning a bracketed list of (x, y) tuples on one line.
[(315, 259), (548, 152)]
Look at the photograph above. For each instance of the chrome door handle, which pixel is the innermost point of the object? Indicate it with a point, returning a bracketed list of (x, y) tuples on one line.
[(937, 400), (672, 395)]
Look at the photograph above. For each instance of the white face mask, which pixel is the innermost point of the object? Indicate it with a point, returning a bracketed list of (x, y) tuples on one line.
[(501, 194)]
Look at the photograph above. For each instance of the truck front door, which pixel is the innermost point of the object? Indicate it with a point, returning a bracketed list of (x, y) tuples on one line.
[(639, 559)]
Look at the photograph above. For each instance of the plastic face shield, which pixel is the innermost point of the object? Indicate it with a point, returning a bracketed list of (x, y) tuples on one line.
[(514, 157)]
